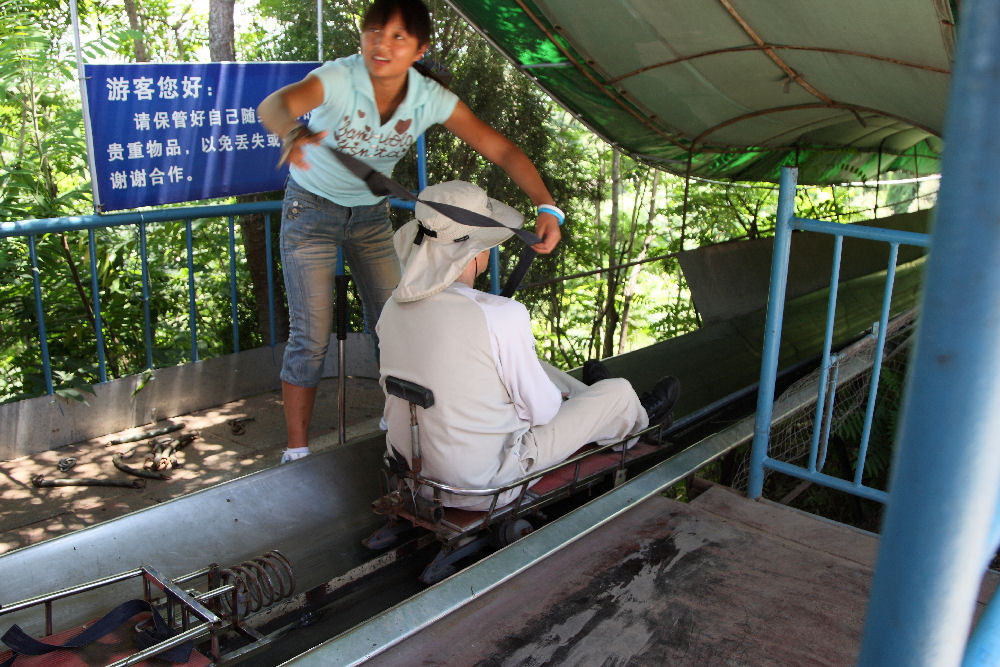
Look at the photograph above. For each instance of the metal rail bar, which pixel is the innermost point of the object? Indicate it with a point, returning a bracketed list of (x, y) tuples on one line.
[(81, 222), (43, 339), (861, 232), (856, 489), (147, 326), (192, 298), (66, 592)]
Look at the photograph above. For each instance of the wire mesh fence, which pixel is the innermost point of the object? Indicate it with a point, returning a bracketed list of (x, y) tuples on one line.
[(844, 418)]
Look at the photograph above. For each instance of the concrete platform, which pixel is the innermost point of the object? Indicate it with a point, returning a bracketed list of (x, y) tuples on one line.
[(219, 453), (722, 580)]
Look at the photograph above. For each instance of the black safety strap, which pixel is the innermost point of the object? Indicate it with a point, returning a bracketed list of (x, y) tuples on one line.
[(24, 644), (520, 270), (381, 185)]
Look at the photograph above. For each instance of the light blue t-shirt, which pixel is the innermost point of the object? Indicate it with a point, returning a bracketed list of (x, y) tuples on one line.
[(350, 117)]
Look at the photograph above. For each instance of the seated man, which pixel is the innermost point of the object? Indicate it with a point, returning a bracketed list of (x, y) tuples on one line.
[(499, 413)]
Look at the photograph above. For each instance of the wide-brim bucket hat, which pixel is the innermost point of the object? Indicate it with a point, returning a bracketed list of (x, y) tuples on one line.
[(434, 248)]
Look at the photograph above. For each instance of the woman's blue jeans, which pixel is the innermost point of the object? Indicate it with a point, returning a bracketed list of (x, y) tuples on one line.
[(312, 228)]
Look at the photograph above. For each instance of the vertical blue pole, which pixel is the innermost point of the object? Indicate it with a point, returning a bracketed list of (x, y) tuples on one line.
[(147, 327), (96, 296), (192, 306), (232, 284), (946, 474), (494, 270), (821, 401), (984, 645), (43, 338), (421, 162), (772, 329), (883, 324), (270, 277)]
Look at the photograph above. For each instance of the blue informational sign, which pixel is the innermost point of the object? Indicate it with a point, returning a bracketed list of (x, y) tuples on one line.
[(165, 133)]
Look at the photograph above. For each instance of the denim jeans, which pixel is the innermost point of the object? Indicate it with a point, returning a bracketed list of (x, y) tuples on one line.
[(312, 227)]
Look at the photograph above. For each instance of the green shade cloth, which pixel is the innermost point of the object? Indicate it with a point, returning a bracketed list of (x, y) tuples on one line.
[(845, 90)]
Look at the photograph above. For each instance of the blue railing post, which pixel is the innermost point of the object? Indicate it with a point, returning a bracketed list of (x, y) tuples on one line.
[(192, 303), (945, 478), (95, 296), (772, 329), (421, 162), (233, 297), (824, 404), (43, 338), (270, 279), (494, 270), (883, 325), (147, 328)]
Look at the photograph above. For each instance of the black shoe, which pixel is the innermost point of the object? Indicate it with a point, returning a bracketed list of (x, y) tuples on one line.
[(594, 371), (660, 400)]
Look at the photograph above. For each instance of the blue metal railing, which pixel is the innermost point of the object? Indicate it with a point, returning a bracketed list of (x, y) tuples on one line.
[(32, 229), (759, 459)]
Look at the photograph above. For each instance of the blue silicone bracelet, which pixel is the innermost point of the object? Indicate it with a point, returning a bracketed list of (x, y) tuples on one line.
[(552, 210)]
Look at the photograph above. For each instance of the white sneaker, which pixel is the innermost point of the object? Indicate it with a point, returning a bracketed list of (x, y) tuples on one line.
[(294, 453)]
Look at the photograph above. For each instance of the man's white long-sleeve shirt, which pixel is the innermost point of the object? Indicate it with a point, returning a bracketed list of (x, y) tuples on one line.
[(476, 352)]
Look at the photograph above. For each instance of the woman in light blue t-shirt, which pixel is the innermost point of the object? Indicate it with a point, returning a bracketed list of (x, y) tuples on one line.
[(372, 105)]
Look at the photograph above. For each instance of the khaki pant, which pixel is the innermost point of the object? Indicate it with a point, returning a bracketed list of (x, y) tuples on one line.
[(604, 412)]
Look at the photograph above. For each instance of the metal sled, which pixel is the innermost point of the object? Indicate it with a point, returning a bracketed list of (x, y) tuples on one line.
[(464, 532)]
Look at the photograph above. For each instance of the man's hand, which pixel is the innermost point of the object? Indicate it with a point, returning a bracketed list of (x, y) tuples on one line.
[(547, 228)]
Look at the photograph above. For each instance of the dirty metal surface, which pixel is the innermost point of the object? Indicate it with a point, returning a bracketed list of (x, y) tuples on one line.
[(665, 583)]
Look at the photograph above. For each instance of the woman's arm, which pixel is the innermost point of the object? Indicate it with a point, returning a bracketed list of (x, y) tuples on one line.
[(505, 154), (280, 111)]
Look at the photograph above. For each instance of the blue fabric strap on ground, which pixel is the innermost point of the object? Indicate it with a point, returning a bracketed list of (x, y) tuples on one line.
[(24, 644)]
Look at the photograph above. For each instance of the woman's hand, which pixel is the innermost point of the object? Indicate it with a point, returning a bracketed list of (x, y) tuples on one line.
[(294, 141), (499, 150), (547, 227), (280, 112)]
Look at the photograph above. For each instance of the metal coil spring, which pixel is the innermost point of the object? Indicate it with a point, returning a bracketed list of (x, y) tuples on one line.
[(257, 583)]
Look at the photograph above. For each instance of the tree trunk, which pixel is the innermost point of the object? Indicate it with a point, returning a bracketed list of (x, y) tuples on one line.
[(141, 53), (633, 278), (610, 312), (221, 32)]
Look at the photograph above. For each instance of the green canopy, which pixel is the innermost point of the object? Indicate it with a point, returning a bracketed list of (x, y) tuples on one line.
[(844, 89)]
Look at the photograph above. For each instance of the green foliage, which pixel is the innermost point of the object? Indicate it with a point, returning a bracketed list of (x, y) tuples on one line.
[(65, 275), (294, 38)]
